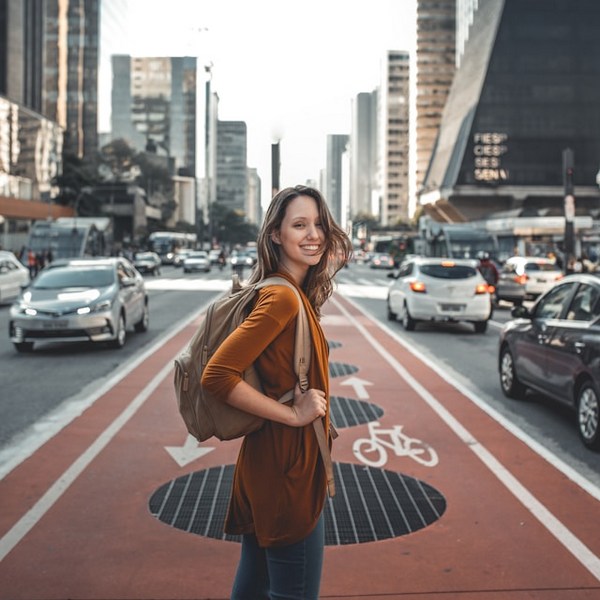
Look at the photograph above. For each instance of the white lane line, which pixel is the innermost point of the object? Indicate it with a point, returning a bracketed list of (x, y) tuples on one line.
[(573, 544), (24, 525), (46, 428)]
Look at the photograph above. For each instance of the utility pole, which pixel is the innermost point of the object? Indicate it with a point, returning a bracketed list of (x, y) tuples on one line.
[(275, 168), (568, 160)]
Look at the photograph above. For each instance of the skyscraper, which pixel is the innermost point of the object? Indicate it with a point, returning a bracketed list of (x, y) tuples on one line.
[(337, 145), (436, 26), (394, 138), (362, 151), (49, 63), (528, 87), (232, 168), (154, 106)]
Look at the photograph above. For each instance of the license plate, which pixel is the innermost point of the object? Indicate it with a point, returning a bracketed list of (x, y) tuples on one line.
[(55, 324), (541, 280), (452, 307)]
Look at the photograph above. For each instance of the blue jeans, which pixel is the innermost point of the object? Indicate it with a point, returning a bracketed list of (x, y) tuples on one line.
[(286, 572)]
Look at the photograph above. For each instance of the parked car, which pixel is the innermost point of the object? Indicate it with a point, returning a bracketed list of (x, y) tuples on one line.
[(554, 348), (522, 278), (147, 262), (439, 289), (13, 275), (84, 299), (382, 260), (196, 261)]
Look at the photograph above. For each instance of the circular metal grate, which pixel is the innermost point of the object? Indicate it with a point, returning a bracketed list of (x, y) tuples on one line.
[(337, 369), (347, 412), (369, 505)]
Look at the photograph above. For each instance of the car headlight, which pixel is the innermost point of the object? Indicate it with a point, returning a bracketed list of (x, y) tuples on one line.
[(99, 307)]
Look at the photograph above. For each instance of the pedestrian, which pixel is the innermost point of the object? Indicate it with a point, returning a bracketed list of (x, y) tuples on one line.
[(279, 486), (32, 263)]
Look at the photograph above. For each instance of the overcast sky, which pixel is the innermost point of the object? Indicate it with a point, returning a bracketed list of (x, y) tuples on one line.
[(289, 69)]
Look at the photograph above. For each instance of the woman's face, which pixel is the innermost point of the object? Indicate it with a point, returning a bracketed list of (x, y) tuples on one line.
[(301, 238)]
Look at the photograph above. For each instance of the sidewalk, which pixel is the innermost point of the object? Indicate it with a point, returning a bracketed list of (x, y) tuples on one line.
[(435, 499)]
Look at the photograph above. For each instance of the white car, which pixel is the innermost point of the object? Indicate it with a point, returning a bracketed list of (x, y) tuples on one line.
[(13, 276), (439, 289), (524, 277), (196, 261)]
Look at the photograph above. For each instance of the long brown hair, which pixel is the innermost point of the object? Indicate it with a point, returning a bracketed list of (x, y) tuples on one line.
[(318, 283)]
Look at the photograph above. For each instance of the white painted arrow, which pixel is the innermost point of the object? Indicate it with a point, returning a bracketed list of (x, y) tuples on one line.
[(187, 453), (359, 386)]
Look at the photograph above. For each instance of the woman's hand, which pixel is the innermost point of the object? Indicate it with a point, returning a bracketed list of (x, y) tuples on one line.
[(308, 406)]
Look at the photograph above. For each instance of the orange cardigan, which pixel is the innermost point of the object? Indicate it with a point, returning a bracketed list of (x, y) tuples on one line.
[(279, 486)]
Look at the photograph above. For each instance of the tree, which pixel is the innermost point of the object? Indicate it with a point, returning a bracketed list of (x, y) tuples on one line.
[(77, 174), (230, 226)]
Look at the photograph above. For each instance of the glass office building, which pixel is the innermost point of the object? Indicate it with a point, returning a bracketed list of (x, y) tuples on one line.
[(528, 88)]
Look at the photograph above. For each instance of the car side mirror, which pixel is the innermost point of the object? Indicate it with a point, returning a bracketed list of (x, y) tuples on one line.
[(392, 275), (127, 282), (520, 312)]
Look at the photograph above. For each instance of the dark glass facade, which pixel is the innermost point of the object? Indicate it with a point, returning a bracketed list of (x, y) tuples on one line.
[(541, 95), (527, 89)]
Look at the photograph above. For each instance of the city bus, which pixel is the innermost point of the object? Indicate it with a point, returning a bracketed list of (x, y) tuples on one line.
[(166, 244), (457, 240), (68, 237)]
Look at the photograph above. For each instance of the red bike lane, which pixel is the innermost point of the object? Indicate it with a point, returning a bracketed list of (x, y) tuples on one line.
[(435, 497)]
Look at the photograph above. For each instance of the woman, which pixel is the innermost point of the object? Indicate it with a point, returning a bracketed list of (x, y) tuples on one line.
[(279, 485)]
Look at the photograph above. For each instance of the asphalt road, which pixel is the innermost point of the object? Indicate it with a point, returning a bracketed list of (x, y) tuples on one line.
[(36, 386)]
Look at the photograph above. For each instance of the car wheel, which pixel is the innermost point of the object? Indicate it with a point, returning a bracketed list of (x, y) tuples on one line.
[(509, 382), (24, 346), (119, 340), (186, 271), (588, 410), (480, 326), (390, 314), (142, 324), (407, 321)]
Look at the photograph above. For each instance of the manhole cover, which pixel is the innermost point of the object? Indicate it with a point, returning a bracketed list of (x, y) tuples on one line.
[(370, 504), (347, 412), (337, 369)]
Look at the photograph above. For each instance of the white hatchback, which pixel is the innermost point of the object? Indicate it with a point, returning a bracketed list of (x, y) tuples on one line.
[(439, 289), (13, 276)]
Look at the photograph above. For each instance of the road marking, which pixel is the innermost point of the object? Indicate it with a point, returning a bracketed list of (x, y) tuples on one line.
[(44, 429), (362, 291), (359, 386), (24, 525), (189, 452), (188, 285), (572, 544)]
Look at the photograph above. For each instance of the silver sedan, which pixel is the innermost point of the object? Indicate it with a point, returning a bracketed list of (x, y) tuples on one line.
[(94, 299)]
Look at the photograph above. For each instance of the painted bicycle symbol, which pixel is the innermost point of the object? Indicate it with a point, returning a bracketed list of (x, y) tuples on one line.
[(372, 451)]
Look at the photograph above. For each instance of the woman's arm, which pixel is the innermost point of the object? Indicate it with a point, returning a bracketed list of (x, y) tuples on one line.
[(307, 406)]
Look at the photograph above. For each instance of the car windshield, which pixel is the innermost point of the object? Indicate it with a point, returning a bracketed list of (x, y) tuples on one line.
[(541, 267), (57, 278), (144, 256), (198, 255), (448, 271)]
